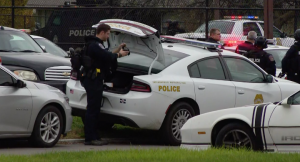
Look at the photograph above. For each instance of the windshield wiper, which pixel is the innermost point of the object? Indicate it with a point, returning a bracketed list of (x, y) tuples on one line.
[(27, 51), (5, 51)]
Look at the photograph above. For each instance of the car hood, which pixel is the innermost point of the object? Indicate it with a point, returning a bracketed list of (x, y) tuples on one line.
[(139, 38), (38, 62)]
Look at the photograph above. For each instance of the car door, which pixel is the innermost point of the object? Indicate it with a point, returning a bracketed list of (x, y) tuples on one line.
[(213, 89), (249, 80), (284, 124), (16, 105)]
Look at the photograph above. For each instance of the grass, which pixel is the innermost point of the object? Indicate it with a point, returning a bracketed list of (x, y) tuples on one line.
[(118, 131), (165, 155)]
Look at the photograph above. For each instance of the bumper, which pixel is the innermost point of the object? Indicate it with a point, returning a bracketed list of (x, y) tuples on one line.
[(195, 146), (139, 109), (61, 85)]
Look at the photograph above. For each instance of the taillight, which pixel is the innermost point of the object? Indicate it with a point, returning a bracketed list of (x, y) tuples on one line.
[(73, 75), (140, 87), (0, 61)]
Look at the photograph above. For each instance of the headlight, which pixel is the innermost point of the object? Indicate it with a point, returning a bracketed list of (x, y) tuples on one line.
[(26, 75)]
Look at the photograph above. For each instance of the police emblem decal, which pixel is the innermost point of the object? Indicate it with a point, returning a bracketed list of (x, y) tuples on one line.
[(101, 46), (258, 99)]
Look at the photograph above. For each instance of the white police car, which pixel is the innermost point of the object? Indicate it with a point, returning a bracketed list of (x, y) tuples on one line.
[(235, 29), (162, 84), (271, 126)]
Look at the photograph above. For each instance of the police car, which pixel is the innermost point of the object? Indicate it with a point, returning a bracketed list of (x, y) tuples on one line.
[(271, 127), (234, 29), (277, 51), (164, 82)]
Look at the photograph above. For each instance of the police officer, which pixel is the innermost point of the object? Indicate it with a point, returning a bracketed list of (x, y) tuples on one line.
[(291, 61), (215, 36), (93, 81), (248, 45), (173, 28), (262, 58)]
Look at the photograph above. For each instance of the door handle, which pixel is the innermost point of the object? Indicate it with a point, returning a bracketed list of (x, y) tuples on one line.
[(201, 87), (241, 91)]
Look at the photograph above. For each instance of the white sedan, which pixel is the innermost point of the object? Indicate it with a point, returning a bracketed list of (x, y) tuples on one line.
[(270, 126), (31, 110), (162, 84)]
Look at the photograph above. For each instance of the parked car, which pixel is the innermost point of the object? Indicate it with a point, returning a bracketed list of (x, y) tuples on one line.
[(163, 83), (32, 110), (49, 46), (271, 127), (22, 55)]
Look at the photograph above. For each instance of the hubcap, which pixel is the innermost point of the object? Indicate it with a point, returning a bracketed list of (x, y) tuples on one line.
[(237, 139), (49, 127), (180, 117)]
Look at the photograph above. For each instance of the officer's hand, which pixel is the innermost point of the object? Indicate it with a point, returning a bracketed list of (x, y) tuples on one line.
[(122, 45), (124, 53)]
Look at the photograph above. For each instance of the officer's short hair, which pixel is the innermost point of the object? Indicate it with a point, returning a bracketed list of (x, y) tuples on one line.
[(252, 35), (102, 27), (213, 31)]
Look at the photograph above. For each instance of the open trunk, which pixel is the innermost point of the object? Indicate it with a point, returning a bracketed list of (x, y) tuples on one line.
[(122, 80)]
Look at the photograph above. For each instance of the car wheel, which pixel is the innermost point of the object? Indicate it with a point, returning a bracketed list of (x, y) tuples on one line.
[(236, 135), (102, 125), (174, 120), (47, 128)]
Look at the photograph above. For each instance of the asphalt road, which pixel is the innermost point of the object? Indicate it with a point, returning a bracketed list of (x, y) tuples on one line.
[(22, 147)]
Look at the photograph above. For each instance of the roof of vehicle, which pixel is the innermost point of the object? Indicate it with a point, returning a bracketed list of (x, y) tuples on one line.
[(35, 36), (9, 29), (194, 50)]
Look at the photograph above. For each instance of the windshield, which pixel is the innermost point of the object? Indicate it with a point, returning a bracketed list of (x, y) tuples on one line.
[(51, 47), (15, 41), (224, 26), (278, 56), (276, 32), (140, 62)]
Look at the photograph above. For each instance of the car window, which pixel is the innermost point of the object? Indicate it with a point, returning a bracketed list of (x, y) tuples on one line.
[(6, 79), (278, 55), (194, 71), (295, 99), (57, 20), (276, 32), (17, 41), (209, 69), (251, 26), (224, 26), (51, 47), (243, 71)]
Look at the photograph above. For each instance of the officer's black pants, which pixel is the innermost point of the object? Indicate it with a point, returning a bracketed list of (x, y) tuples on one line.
[(94, 92), (294, 78)]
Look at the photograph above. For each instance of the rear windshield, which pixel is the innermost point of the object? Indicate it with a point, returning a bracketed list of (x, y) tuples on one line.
[(224, 26), (143, 63)]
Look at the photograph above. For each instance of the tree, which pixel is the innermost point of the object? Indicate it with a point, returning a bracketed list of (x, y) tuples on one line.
[(23, 17)]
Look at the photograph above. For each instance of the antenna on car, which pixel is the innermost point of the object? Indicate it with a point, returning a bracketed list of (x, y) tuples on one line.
[(165, 38)]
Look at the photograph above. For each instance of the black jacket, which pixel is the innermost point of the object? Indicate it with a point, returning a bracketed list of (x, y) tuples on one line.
[(264, 60), (214, 41), (104, 60), (290, 62), (244, 47)]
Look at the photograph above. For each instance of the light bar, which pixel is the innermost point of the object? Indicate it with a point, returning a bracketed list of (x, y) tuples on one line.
[(241, 17), (189, 41)]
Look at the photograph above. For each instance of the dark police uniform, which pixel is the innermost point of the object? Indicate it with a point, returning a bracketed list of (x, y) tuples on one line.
[(263, 60), (214, 41), (93, 84), (244, 47), (291, 63)]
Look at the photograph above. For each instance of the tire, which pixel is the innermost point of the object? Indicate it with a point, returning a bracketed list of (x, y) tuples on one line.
[(54, 131), (101, 125), (236, 135), (171, 133)]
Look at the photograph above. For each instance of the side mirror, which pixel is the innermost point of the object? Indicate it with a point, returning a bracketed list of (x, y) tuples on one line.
[(287, 102), (44, 48), (269, 78), (20, 84)]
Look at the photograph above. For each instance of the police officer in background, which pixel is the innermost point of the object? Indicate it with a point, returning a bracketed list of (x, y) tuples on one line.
[(248, 45), (93, 80), (173, 28), (291, 61), (215, 36), (261, 58)]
